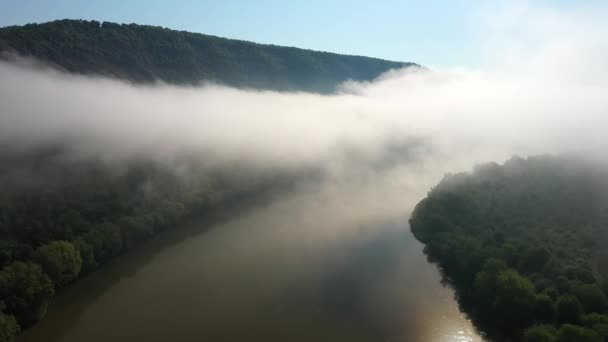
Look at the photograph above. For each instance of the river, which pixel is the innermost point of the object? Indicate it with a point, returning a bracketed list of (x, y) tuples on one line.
[(330, 265)]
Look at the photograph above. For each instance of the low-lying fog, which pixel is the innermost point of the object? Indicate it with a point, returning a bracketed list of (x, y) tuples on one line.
[(542, 88), (545, 95)]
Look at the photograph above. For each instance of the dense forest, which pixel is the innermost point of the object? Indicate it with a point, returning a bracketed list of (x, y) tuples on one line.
[(147, 53), (523, 244), (62, 217)]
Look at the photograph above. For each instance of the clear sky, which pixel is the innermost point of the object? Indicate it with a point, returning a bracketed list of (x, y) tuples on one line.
[(432, 32)]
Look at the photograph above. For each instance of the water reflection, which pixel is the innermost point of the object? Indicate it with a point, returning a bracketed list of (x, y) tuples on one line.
[(312, 266)]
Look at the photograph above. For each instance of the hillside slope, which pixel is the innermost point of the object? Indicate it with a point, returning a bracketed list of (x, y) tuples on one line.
[(146, 53)]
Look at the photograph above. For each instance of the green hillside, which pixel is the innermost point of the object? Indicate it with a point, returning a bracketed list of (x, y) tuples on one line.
[(146, 53)]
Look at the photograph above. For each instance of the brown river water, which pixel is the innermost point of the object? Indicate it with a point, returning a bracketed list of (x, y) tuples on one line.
[(331, 264)]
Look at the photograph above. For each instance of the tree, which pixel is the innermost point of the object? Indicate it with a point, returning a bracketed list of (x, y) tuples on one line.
[(591, 297), (515, 296), (60, 260), (575, 333), (135, 229), (9, 328), (534, 259), (86, 254), (486, 279), (540, 333), (106, 240), (25, 289), (597, 322), (7, 251), (569, 309), (544, 310)]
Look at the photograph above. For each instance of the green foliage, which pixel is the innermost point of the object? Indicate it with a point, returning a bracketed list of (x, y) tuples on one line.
[(87, 255), (60, 260), (569, 309), (574, 333), (486, 281), (515, 296), (591, 297), (506, 293), (25, 290), (522, 243), (147, 53), (534, 259), (566, 333), (8, 328), (540, 333), (594, 318), (105, 239), (544, 309)]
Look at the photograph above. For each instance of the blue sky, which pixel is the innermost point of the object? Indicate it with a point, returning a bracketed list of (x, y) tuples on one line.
[(433, 33)]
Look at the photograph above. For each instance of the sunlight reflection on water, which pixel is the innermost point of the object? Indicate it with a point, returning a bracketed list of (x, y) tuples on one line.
[(299, 270), (454, 332)]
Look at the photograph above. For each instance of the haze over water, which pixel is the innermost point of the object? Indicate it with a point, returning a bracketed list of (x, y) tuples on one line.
[(301, 267)]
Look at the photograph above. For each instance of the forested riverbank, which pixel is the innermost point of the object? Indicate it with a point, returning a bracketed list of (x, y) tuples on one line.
[(62, 217), (523, 245)]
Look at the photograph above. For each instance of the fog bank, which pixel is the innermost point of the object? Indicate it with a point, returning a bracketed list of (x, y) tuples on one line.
[(541, 89)]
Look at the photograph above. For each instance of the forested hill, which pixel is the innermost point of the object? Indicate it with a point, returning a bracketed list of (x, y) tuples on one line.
[(524, 245), (146, 53)]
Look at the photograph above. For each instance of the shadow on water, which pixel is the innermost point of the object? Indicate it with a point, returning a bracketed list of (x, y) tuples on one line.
[(66, 308)]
